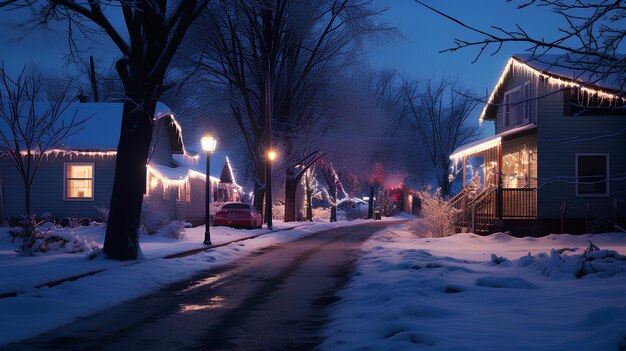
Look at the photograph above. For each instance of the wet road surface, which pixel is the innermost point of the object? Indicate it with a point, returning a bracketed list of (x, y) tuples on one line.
[(274, 299)]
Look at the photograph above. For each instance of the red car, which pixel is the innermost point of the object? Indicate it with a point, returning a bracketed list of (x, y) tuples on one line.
[(238, 214)]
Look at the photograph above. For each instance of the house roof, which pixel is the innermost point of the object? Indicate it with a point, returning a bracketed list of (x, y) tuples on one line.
[(102, 130), (560, 70), (489, 142), (221, 167)]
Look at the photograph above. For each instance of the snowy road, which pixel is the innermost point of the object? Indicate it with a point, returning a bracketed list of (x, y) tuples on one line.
[(274, 299)]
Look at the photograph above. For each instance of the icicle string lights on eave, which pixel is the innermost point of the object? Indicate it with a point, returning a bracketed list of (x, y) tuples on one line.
[(519, 66), (191, 174), (457, 156), (70, 153), (179, 131)]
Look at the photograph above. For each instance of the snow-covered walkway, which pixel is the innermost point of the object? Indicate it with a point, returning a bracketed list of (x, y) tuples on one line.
[(453, 294), (24, 273), (37, 310)]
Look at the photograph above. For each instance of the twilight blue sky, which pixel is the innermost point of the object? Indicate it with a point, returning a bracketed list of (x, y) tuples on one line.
[(425, 34)]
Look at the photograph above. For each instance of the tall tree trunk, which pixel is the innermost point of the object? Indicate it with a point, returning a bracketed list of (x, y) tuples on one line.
[(445, 184), (370, 203), (333, 206), (291, 185), (121, 240), (308, 193), (94, 81), (27, 200), (259, 189)]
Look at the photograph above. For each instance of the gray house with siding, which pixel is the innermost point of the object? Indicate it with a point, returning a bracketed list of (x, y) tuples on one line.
[(76, 178), (557, 161)]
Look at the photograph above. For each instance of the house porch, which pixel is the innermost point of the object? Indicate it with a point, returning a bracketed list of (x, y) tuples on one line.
[(499, 179)]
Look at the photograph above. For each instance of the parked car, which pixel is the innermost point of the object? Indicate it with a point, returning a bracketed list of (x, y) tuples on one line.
[(237, 214)]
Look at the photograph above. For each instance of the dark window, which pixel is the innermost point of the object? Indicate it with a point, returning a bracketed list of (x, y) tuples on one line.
[(584, 104), (592, 174), (236, 207)]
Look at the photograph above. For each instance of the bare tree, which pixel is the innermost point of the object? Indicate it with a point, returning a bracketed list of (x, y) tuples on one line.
[(333, 184), (151, 33), (31, 124), (439, 113), (299, 45), (591, 37)]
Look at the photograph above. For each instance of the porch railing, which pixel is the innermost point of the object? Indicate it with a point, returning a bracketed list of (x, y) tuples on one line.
[(484, 210), (519, 203), (481, 213), (459, 202)]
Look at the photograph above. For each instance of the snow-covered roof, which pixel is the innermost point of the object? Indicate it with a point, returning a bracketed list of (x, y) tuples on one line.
[(576, 68), (562, 70), (102, 130), (219, 160), (489, 142)]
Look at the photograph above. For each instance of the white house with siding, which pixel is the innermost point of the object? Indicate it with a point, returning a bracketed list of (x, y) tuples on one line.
[(76, 178), (557, 161)]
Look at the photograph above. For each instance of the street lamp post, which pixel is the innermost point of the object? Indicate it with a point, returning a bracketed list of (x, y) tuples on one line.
[(271, 156), (208, 145)]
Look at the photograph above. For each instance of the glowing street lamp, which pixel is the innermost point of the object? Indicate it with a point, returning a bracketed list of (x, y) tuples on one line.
[(271, 156), (208, 145)]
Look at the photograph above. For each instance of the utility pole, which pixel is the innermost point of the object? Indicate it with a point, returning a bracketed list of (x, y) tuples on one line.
[(267, 34)]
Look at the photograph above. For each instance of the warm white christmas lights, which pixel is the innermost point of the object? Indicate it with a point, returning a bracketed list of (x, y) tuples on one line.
[(519, 66)]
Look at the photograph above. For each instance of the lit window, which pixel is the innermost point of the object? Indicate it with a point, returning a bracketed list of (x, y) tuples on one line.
[(79, 181), (592, 173), (184, 194)]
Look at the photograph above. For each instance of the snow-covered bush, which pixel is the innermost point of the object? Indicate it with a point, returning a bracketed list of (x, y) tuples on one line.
[(356, 211), (388, 206), (45, 237), (278, 211), (437, 216), (103, 214), (321, 213), (153, 216), (175, 230), (74, 222), (593, 262)]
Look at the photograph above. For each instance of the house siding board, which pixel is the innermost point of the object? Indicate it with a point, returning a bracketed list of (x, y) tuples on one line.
[(48, 186), (558, 159), (155, 195), (197, 199)]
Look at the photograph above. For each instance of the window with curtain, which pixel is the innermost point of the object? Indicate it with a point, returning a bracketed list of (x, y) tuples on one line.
[(79, 181)]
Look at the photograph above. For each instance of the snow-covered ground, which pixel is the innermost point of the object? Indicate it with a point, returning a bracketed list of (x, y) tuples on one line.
[(453, 294), (27, 272), (37, 310)]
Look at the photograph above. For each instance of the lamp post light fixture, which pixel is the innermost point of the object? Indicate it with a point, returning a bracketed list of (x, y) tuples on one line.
[(208, 145), (271, 156)]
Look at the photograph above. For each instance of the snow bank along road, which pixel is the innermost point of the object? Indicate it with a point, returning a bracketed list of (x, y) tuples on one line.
[(273, 299)]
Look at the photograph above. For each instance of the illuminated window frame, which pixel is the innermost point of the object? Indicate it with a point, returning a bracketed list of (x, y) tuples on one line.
[(183, 193), (66, 179)]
